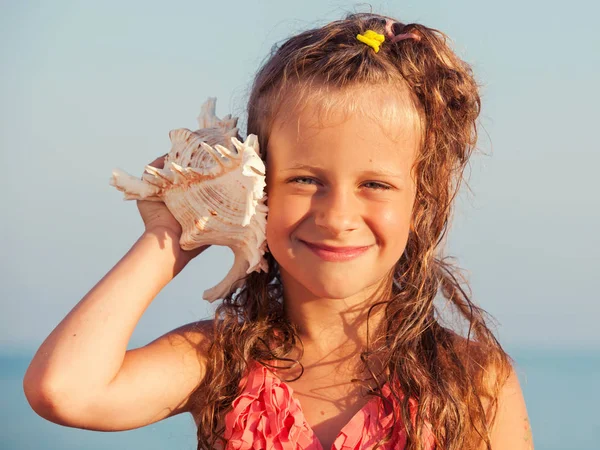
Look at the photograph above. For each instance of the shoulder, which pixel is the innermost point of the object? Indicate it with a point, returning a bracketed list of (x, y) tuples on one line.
[(496, 374), (487, 364), (182, 355), (511, 428), (195, 335), (184, 348)]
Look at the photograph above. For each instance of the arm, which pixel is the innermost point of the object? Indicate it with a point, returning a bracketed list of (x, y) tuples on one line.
[(511, 429), (83, 375)]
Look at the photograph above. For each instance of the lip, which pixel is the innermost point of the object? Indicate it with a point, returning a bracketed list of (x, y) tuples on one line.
[(329, 253)]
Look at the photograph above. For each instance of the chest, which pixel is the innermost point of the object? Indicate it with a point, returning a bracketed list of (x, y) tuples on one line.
[(329, 400), (325, 403), (328, 411)]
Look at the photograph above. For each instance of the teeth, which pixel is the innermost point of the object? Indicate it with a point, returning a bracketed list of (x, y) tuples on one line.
[(215, 192)]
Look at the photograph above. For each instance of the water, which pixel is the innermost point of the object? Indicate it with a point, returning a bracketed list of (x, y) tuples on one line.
[(562, 393), (560, 388)]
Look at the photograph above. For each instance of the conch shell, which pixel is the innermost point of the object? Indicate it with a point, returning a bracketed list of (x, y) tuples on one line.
[(213, 185)]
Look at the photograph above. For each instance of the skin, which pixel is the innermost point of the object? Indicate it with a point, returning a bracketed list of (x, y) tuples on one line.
[(512, 429), (325, 184), (102, 389), (339, 179)]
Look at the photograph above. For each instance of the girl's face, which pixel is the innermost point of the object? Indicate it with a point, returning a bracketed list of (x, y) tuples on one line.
[(341, 180)]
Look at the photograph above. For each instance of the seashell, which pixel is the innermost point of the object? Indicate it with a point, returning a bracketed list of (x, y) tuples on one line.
[(213, 184)]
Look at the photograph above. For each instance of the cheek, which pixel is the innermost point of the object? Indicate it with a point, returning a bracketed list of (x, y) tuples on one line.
[(394, 214), (285, 214), (391, 217), (392, 222)]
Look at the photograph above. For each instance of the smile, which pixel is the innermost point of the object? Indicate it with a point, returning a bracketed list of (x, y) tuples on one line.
[(334, 254)]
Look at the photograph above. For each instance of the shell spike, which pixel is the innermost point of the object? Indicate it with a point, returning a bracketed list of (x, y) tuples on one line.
[(160, 176), (233, 280), (225, 151), (132, 186), (181, 174), (252, 141), (213, 184), (217, 155), (207, 117), (232, 133), (179, 135), (237, 144)]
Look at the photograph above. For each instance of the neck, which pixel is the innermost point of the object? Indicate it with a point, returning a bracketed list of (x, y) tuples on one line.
[(335, 325)]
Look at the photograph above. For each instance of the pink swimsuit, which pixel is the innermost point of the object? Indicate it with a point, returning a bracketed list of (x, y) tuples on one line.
[(267, 416)]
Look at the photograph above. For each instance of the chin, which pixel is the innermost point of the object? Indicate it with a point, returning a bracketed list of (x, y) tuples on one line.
[(334, 293), (335, 281)]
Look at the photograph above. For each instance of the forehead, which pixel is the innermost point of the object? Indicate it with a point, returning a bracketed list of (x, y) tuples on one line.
[(365, 123)]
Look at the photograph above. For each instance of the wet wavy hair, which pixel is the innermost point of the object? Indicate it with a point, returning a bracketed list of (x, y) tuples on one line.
[(455, 378)]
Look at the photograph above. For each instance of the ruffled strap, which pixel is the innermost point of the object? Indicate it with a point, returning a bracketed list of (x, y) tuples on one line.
[(374, 420), (266, 416)]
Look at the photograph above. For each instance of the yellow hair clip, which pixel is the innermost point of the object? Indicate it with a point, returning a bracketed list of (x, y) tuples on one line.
[(371, 38)]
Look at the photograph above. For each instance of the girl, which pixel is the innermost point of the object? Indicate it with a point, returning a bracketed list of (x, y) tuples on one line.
[(365, 126)]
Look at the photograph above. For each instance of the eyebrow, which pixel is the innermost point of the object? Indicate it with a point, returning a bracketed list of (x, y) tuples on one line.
[(378, 172)]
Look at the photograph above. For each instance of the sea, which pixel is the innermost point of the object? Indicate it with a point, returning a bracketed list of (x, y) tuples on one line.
[(561, 389)]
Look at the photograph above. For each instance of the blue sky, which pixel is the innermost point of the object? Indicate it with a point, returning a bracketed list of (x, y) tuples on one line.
[(89, 86)]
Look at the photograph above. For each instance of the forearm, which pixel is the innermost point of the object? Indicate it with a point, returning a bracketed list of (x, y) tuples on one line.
[(86, 350)]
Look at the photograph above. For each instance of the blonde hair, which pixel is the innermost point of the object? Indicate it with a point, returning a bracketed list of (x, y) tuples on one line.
[(455, 379)]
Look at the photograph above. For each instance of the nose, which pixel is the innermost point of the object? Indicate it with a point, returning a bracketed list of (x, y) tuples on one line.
[(337, 211)]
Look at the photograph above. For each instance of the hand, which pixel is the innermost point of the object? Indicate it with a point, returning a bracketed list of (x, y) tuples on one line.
[(158, 219), (156, 215)]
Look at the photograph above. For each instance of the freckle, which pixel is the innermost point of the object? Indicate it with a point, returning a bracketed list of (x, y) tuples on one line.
[(75, 334)]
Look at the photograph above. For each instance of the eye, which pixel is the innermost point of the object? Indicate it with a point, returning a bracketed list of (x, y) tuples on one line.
[(375, 185), (302, 180)]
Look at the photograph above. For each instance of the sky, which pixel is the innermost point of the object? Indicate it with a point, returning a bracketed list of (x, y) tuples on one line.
[(89, 86)]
